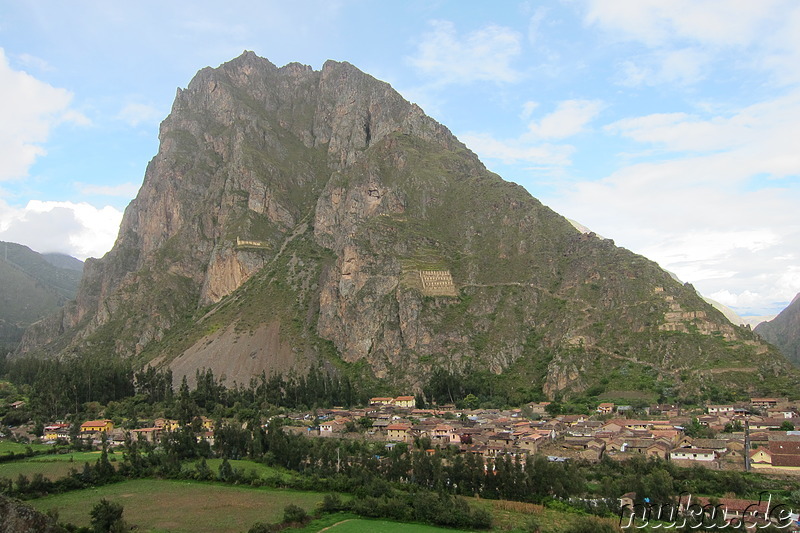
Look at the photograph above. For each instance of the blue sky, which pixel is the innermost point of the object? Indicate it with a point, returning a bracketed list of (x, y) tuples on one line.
[(669, 126)]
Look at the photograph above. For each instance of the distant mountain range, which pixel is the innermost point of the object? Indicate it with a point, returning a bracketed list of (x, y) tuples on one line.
[(784, 331), (32, 286)]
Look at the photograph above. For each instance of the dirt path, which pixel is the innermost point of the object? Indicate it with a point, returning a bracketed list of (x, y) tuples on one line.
[(334, 525)]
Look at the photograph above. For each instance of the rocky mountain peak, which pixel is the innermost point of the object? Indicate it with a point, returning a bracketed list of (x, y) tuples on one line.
[(294, 217)]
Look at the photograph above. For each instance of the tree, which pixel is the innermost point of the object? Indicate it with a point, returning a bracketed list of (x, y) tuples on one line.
[(294, 514), (697, 430), (554, 408), (225, 472), (733, 427), (471, 401), (107, 517)]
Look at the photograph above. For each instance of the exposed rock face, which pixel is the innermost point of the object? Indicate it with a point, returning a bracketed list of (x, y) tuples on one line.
[(784, 331), (297, 208), (18, 517)]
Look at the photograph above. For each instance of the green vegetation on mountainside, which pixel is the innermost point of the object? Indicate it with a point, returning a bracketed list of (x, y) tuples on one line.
[(346, 192), (31, 288)]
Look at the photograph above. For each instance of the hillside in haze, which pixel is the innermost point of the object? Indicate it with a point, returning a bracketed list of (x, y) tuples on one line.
[(32, 286), (784, 331), (295, 218)]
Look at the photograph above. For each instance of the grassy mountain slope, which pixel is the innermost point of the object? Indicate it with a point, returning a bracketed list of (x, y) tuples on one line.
[(31, 288)]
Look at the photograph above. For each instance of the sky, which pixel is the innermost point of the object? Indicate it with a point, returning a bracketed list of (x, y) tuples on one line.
[(671, 127)]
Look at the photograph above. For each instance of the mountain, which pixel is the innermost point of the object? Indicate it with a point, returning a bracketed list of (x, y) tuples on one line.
[(295, 218), (784, 330), (732, 316), (31, 288), (64, 261)]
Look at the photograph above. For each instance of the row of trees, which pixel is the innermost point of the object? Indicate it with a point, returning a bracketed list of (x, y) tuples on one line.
[(57, 388)]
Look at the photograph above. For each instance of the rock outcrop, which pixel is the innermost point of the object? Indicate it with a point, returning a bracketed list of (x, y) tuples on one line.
[(18, 517), (294, 216)]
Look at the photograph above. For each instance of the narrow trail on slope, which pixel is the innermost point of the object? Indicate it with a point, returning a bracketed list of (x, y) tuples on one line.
[(334, 525)]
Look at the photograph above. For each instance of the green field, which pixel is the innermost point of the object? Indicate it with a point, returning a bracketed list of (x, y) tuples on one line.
[(53, 466), (15, 447), (73, 457), (181, 506), (360, 525), (244, 466)]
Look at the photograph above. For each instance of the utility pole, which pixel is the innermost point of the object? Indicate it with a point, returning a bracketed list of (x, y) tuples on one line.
[(746, 445)]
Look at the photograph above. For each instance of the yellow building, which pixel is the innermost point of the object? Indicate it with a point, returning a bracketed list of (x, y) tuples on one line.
[(405, 401), (381, 401), (52, 431), (94, 426), (166, 424), (207, 423)]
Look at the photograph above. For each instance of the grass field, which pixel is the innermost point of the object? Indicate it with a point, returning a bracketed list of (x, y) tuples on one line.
[(73, 457), (181, 506), (15, 447), (360, 525), (53, 466), (263, 471)]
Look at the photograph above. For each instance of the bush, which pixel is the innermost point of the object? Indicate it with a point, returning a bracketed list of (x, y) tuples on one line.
[(532, 525), (294, 514), (261, 527), (482, 519), (332, 503), (586, 524)]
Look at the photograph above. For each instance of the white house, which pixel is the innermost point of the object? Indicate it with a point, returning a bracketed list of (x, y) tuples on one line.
[(693, 454)]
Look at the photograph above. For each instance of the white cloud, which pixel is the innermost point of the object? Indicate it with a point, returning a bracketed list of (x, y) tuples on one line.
[(482, 55), (710, 22), (137, 113), (684, 66), (80, 230), (527, 110), (29, 110), (757, 139), (568, 119), (512, 151), (534, 25), (686, 37), (125, 190), (34, 62)]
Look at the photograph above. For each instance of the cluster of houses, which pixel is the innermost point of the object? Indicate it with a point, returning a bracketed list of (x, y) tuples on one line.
[(96, 431), (764, 435), (609, 432)]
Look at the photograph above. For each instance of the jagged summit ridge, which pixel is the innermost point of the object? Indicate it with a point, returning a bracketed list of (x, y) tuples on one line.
[(294, 216)]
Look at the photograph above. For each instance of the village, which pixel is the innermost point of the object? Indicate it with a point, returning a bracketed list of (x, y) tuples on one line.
[(717, 436)]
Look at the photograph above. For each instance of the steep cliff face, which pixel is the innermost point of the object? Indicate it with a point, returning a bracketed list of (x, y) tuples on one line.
[(293, 216), (784, 331)]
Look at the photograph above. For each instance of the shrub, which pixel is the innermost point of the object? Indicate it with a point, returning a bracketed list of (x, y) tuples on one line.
[(294, 514)]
